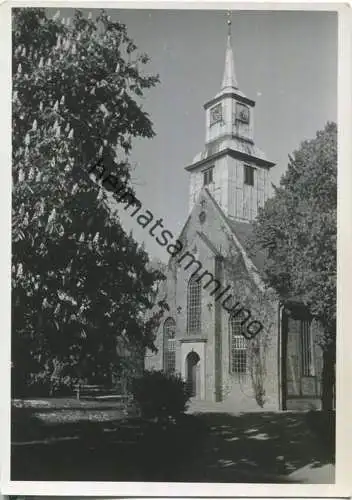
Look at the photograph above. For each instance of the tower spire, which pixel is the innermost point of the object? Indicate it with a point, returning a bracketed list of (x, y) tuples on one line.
[(229, 79)]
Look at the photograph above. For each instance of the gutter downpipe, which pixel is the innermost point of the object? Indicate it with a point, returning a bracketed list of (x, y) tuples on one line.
[(280, 354)]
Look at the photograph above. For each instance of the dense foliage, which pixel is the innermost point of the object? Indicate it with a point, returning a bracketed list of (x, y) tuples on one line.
[(81, 285), (298, 229), (159, 395)]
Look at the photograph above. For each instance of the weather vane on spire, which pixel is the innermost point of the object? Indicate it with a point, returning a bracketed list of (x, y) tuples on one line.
[(229, 22)]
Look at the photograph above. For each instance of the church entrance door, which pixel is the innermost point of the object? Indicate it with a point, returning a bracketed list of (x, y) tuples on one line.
[(192, 374)]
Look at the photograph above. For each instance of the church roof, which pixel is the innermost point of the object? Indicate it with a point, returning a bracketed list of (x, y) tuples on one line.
[(231, 145), (244, 232), (229, 80)]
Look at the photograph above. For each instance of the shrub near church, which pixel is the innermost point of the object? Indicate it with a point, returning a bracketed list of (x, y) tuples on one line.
[(160, 396)]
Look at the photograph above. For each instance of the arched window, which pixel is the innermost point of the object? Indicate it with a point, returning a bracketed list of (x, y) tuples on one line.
[(193, 306), (238, 346), (169, 345)]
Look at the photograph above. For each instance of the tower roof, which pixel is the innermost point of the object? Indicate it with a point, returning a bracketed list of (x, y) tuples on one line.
[(229, 80), (229, 84)]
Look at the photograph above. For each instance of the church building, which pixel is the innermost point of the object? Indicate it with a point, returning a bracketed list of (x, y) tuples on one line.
[(248, 349)]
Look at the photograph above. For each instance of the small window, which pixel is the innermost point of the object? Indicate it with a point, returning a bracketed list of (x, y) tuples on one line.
[(208, 176), (249, 175)]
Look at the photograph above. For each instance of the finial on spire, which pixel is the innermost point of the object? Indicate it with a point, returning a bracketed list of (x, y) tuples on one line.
[(229, 22), (229, 79)]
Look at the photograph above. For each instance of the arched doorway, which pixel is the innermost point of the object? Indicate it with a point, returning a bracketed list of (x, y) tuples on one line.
[(192, 374)]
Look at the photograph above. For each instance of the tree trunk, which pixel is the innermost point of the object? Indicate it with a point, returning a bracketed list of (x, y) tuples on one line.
[(328, 379)]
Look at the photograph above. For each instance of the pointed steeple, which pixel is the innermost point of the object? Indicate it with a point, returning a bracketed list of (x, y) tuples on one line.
[(229, 79), (229, 150)]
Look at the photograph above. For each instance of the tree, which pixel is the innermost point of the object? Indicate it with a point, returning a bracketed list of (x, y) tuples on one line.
[(79, 281), (298, 228)]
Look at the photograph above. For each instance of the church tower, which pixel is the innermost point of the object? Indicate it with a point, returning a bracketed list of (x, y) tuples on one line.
[(231, 167)]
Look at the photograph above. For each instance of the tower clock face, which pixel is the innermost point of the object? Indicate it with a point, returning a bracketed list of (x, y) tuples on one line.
[(216, 114), (242, 113)]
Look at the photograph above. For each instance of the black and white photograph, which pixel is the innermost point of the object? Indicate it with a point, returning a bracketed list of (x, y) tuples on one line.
[(174, 245)]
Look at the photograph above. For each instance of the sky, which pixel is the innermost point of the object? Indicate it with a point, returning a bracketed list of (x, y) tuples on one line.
[(285, 60)]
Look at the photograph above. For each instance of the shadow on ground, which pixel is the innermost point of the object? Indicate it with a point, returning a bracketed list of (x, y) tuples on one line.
[(212, 447), (261, 447)]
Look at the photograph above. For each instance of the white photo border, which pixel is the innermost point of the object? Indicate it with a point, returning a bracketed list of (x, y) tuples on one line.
[(342, 486)]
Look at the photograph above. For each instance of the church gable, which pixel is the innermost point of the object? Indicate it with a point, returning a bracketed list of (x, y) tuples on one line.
[(209, 235), (208, 223), (238, 240)]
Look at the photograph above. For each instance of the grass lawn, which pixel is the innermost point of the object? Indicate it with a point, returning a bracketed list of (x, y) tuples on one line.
[(40, 419)]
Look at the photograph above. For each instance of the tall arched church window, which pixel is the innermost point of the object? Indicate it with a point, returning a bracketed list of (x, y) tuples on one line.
[(238, 347), (194, 306), (169, 345)]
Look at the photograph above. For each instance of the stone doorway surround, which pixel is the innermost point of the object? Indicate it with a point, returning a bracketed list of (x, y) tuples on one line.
[(198, 346)]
